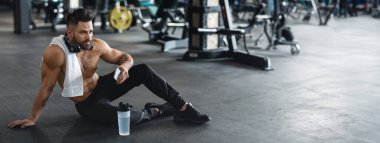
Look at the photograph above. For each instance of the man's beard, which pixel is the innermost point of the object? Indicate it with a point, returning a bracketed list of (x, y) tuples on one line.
[(83, 45)]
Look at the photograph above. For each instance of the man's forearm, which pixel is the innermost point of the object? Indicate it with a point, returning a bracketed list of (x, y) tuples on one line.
[(126, 61), (39, 103)]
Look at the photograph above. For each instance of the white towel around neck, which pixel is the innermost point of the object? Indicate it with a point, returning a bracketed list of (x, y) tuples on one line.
[(73, 84)]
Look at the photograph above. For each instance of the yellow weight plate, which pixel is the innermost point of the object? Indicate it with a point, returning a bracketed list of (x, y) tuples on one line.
[(120, 18)]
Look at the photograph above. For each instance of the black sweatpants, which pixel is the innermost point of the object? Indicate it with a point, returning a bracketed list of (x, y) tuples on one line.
[(97, 107)]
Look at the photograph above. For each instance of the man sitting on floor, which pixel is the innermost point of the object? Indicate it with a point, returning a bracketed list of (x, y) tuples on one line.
[(71, 60)]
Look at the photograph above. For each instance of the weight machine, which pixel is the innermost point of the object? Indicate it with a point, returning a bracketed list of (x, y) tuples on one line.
[(199, 38), (257, 18), (274, 27), (327, 8), (163, 27), (292, 7), (278, 30)]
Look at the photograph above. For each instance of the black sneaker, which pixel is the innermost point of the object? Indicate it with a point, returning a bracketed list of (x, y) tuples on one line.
[(164, 110), (191, 115)]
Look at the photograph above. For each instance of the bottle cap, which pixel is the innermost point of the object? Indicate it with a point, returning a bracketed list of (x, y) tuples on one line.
[(124, 107)]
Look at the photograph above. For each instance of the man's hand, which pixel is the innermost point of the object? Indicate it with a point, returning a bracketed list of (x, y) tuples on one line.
[(22, 123), (123, 75)]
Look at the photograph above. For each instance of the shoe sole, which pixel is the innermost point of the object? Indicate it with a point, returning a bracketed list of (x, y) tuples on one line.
[(182, 120)]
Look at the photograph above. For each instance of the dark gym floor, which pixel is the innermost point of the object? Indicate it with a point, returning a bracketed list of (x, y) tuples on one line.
[(327, 94)]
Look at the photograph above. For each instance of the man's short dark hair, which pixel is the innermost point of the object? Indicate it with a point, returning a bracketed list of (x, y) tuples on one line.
[(81, 14)]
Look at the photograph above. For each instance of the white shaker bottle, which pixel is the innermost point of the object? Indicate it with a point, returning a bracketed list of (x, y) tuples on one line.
[(123, 115)]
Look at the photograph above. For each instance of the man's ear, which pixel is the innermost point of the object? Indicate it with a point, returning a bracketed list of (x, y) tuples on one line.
[(69, 32)]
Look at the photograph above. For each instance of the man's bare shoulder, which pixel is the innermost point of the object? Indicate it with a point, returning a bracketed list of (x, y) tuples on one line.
[(101, 46), (100, 43), (54, 55), (98, 40)]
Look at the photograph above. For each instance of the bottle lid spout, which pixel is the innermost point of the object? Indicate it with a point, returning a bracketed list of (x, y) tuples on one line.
[(124, 107)]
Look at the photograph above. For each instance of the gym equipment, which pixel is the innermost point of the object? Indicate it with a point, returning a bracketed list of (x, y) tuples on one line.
[(256, 19), (375, 9), (171, 18), (21, 17), (54, 12), (278, 30), (202, 40), (245, 7), (293, 9), (120, 18), (297, 9), (329, 10)]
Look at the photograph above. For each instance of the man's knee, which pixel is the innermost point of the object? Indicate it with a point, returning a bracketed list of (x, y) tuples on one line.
[(141, 68)]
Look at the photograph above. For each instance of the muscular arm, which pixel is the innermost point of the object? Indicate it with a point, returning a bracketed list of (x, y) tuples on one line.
[(51, 66), (113, 56)]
